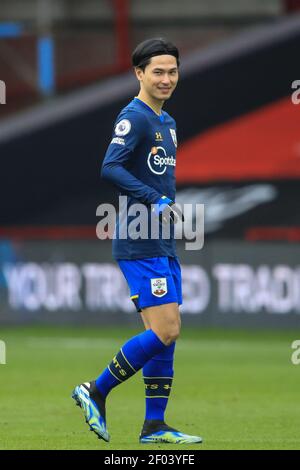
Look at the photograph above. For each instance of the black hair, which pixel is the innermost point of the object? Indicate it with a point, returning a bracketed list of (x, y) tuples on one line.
[(141, 56)]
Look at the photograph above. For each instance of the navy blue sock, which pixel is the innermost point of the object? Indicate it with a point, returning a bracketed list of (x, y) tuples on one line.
[(158, 376), (131, 358)]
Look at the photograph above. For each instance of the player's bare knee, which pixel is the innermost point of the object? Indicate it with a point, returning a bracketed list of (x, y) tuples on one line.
[(171, 334), (175, 333)]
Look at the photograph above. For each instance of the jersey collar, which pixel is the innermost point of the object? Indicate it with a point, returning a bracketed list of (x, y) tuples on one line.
[(160, 116)]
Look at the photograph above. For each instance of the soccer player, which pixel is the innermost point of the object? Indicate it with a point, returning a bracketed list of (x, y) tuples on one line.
[(140, 161)]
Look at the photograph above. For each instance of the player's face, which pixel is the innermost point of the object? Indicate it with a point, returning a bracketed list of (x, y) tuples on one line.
[(160, 77)]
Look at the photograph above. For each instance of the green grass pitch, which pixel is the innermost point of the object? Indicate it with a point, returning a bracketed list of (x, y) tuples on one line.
[(238, 390)]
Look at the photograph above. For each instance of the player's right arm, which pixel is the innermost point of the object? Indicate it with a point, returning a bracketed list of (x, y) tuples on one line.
[(128, 133)]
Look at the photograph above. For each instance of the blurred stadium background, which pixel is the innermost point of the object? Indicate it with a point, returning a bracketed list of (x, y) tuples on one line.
[(66, 67)]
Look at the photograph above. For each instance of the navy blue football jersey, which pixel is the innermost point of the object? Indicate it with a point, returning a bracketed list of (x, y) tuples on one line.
[(140, 161)]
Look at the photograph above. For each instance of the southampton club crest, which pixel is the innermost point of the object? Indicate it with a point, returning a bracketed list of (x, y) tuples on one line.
[(159, 287), (174, 137)]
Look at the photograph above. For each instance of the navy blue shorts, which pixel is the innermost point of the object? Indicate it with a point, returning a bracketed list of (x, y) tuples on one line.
[(153, 281)]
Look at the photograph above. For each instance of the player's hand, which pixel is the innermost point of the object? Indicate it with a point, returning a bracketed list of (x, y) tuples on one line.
[(168, 211)]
